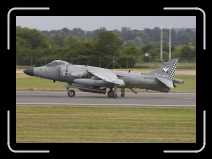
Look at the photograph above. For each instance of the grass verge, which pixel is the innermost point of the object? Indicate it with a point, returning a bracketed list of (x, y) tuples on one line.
[(66, 124)]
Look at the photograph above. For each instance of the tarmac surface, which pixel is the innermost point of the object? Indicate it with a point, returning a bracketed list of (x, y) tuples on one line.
[(86, 99)]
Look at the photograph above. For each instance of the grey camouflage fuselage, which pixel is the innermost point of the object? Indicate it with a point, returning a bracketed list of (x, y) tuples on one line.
[(94, 78)]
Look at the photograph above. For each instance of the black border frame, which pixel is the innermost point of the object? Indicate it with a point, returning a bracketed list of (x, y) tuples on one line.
[(144, 148)]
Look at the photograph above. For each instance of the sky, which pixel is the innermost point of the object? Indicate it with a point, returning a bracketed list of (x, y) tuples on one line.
[(109, 22)]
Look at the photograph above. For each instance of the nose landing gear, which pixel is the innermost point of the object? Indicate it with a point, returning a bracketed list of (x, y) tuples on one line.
[(71, 93)]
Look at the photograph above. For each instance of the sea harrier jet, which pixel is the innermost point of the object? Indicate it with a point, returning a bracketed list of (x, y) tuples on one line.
[(105, 81)]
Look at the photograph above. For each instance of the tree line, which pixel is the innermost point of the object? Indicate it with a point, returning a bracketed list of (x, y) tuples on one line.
[(112, 49)]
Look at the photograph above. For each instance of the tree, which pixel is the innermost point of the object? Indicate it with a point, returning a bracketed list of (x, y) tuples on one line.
[(188, 53), (129, 55), (153, 51), (100, 47), (108, 46), (30, 45)]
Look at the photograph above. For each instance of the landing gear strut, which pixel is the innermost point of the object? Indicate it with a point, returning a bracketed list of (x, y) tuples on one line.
[(112, 93), (122, 92), (71, 93)]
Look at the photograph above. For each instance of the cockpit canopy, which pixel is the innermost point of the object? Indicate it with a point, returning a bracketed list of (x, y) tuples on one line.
[(56, 63)]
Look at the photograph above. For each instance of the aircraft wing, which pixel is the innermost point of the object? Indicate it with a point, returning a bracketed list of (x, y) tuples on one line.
[(106, 75), (167, 82)]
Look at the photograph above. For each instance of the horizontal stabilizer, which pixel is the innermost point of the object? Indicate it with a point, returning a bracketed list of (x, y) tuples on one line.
[(178, 81), (167, 82)]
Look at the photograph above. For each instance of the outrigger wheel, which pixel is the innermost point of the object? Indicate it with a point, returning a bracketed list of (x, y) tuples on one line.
[(112, 94), (71, 93)]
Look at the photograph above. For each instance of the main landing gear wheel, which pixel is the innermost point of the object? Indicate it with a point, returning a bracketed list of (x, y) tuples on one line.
[(71, 93), (112, 94)]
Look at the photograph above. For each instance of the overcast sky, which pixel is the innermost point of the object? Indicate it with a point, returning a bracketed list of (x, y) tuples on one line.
[(109, 22)]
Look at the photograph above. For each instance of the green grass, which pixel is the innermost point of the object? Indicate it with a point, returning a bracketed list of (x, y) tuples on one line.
[(24, 82), (189, 84), (65, 124), (22, 66)]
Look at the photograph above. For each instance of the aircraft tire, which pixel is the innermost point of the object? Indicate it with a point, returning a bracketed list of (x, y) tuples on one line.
[(111, 94), (71, 93)]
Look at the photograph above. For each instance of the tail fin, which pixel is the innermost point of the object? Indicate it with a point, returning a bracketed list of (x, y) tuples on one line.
[(167, 69)]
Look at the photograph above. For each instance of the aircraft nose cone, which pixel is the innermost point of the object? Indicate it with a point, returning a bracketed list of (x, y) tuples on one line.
[(29, 71)]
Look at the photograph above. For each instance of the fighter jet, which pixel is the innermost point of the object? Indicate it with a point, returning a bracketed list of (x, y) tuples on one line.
[(105, 81)]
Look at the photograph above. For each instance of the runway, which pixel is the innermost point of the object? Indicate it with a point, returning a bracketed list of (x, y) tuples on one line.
[(86, 99)]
